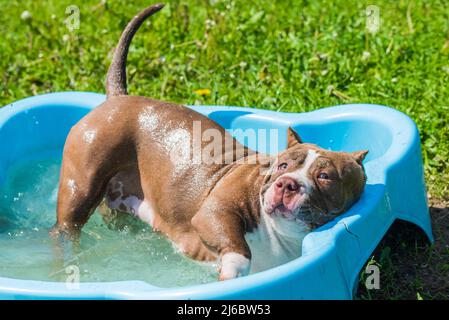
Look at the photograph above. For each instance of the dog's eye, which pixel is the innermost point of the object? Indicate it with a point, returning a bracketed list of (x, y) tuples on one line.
[(323, 175), (283, 166)]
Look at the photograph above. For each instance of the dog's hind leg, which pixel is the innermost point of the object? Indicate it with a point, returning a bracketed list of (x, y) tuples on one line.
[(93, 153), (78, 196)]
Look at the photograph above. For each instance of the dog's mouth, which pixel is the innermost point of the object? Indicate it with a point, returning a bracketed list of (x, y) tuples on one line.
[(291, 200), (281, 210), (306, 214), (285, 198)]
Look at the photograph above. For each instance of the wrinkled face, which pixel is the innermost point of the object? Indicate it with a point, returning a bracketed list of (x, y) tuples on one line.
[(311, 184)]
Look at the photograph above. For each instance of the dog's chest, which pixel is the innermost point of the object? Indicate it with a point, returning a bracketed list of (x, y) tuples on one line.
[(274, 243)]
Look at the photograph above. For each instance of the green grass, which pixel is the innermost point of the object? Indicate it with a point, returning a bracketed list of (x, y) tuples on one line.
[(409, 267), (280, 55)]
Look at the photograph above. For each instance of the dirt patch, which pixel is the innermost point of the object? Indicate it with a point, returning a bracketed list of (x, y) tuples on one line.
[(410, 267)]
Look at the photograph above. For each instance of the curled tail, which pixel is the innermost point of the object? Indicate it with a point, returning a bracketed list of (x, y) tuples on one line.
[(116, 78)]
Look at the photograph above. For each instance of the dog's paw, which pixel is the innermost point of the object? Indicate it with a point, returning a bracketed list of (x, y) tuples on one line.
[(233, 265)]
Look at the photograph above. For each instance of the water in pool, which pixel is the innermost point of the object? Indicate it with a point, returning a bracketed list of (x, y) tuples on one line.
[(27, 212)]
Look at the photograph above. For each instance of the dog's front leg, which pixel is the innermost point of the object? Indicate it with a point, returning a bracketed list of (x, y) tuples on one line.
[(233, 265), (222, 231)]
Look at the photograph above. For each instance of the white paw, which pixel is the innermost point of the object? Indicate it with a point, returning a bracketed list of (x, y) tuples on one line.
[(233, 265)]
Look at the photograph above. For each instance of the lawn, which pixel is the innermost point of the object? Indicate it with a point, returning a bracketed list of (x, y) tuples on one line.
[(281, 55)]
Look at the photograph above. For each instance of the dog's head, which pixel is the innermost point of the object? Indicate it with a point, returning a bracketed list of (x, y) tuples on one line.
[(312, 184)]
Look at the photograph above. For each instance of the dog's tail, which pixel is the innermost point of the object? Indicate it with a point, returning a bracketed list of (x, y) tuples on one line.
[(116, 78)]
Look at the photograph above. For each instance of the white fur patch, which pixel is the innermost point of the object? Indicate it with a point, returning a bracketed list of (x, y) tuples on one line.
[(275, 241), (300, 175), (140, 208), (234, 265), (145, 212)]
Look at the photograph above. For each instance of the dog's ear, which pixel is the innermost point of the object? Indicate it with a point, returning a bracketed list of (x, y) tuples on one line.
[(292, 138), (359, 156)]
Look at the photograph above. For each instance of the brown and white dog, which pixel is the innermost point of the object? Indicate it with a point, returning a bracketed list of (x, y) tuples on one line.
[(122, 152)]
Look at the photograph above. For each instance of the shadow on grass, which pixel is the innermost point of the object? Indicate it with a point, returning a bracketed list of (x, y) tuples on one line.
[(411, 267)]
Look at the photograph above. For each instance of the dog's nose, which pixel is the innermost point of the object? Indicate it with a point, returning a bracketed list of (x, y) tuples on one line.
[(289, 185)]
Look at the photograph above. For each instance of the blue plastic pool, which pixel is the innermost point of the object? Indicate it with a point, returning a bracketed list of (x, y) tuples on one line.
[(332, 256)]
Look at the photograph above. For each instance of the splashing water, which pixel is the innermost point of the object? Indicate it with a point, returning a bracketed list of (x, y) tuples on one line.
[(28, 211)]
